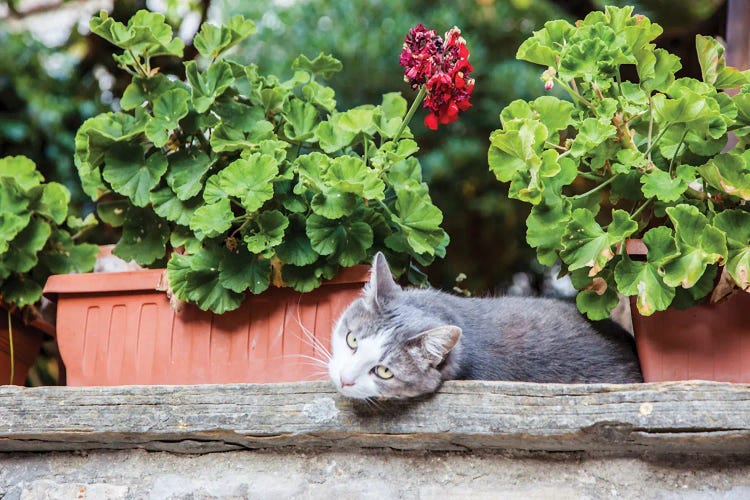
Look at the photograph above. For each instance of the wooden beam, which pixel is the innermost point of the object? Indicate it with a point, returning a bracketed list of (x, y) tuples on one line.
[(702, 417)]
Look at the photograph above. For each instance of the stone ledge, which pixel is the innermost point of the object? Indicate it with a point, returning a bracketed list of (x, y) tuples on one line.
[(674, 417)]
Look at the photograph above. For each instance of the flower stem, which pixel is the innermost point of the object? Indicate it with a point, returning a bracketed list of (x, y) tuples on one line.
[(640, 209), (574, 93), (597, 188), (653, 144), (410, 113), (10, 342), (682, 139)]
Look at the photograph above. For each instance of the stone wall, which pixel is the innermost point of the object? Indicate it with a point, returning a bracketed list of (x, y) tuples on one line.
[(473, 439)]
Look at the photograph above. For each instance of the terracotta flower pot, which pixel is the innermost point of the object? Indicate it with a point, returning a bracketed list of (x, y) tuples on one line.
[(706, 342), (119, 329), (27, 340)]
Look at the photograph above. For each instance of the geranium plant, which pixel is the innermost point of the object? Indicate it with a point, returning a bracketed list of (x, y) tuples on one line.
[(37, 238), (645, 157), (240, 179)]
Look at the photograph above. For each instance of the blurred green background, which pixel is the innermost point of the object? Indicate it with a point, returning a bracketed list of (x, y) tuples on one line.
[(53, 75)]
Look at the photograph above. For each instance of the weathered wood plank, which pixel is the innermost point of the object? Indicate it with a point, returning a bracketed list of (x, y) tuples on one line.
[(695, 416)]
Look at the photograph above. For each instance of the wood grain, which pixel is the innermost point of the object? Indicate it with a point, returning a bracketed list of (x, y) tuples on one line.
[(673, 417)]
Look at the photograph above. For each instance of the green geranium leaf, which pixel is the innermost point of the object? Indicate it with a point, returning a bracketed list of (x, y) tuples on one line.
[(418, 220), (211, 41), (659, 184), (347, 241), (728, 173), (63, 256), (323, 65), (272, 100), (207, 86), (21, 256), (587, 245), (349, 174), (302, 279), (169, 109), (212, 219), (301, 120), (269, 231), (146, 34), (141, 90), (77, 224), (713, 65), (544, 46), (332, 138), (319, 95), (699, 243), (249, 179), (665, 67), (21, 290), (196, 278), (22, 170), (237, 115), (240, 271), (13, 214), (166, 204), (546, 227), (598, 296), (736, 226), (645, 279), (359, 120), (296, 248), (113, 212), (144, 237), (226, 138), (53, 202), (132, 175), (591, 133), (186, 171)]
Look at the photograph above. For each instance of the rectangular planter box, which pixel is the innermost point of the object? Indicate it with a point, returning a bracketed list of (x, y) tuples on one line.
[(119, 329), (705, 342)]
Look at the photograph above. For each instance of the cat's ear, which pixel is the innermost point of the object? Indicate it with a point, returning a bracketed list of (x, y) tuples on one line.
[(436, 343), (381, 287)]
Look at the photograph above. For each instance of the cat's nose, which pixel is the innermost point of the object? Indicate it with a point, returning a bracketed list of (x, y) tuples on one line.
[(346, 382)]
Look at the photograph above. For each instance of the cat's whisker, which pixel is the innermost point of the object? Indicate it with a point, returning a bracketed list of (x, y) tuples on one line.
[(318, 361), (309, 335)]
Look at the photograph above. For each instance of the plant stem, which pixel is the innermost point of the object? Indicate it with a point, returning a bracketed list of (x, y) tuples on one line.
[(409, 114), (679, 145), (590, 176), (597, 188), (556, 146), (385, 207), (651, 146), (12, 355), (143, 71), (640, 209), (575, 94), (650, 126)]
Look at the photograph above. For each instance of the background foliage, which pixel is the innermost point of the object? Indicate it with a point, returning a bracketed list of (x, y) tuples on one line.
[(46, 93)]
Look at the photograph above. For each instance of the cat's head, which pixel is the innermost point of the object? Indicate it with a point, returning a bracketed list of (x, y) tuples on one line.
[(383, 347)]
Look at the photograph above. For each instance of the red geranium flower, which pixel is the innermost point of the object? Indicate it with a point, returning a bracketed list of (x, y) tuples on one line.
[(443, 68)]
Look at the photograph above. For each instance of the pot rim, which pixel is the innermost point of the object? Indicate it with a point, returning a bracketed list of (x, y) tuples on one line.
[(154, 280)]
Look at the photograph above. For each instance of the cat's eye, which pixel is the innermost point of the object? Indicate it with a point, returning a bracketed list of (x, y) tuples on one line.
[(383, 372), (351, 340)]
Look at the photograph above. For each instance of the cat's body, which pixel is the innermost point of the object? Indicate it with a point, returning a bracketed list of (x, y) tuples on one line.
[(407, 341)]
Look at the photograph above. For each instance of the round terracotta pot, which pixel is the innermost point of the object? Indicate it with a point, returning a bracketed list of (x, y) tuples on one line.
[(705, 342), (119, 329)]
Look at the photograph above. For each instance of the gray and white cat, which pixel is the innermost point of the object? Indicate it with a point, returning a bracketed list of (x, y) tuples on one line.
[(401, 343)]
